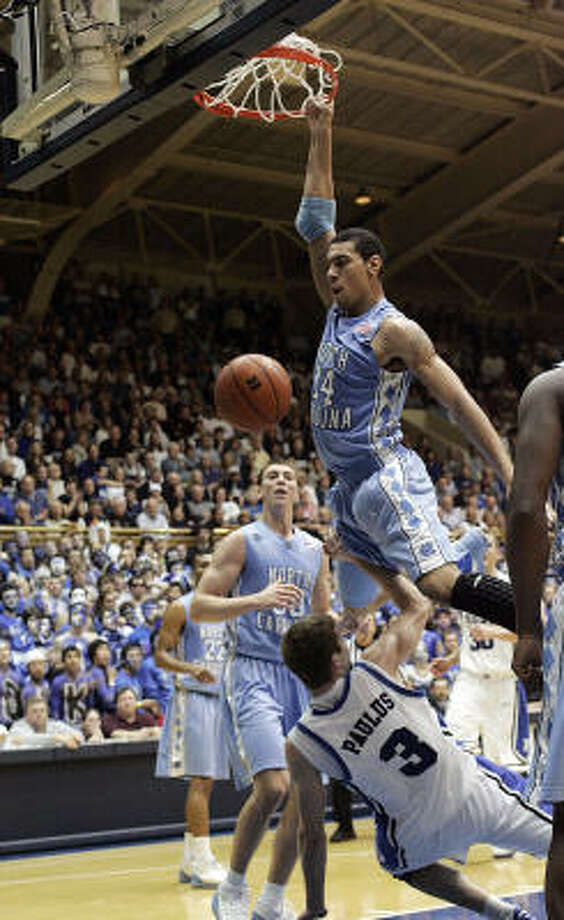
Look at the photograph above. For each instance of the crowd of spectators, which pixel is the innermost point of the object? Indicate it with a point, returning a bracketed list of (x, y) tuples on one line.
[(118, 476)]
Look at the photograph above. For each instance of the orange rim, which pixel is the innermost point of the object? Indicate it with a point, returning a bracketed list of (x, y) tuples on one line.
[(227, 110)]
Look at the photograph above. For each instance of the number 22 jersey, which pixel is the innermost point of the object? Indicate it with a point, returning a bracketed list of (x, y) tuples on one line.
[(386, 741)]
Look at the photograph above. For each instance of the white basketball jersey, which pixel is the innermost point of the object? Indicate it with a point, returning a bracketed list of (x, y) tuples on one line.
[(483, 656), (386, 741)]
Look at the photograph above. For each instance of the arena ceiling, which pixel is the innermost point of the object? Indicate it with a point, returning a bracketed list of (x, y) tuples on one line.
[(450, 114)]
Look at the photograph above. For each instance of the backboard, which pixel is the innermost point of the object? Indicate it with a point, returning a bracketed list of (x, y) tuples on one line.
[(89, 74)]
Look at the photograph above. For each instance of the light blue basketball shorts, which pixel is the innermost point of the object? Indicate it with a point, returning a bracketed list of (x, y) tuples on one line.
[(192, 742), (262, 701), (546, 779), (391, 519)]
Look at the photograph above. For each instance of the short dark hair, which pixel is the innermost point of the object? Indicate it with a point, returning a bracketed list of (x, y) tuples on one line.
[(307, 649), (94, 646), (71, 647), (125, 688), (366, 242)]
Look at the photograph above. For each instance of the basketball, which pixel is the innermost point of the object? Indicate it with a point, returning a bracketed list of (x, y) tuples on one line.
[(252, 392)]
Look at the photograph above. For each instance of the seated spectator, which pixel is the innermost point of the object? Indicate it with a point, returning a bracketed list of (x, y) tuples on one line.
[(132, 674), (78, 632), (10, 686), (198, 508), (451, 516), (35, 684), (252, 502), (92, 727), (34, 498), (152, 518), (18, 463), (37, 730), (70, 690), (129, 722), (229, 507), (439, 695), (7, 492), (416, 672)]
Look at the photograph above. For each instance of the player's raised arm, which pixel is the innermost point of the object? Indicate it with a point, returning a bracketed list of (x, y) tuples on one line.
[(403, 339), (211, 604), (315, 221), (399, 641), (539, 446), (321, 595)]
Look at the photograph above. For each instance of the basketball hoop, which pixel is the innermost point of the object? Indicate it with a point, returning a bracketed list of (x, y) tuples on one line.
[(276, 83)]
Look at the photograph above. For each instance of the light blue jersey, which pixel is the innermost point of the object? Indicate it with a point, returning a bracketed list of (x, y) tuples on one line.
[(356, 405), (262, 698), (192, 741), (202, 644), (384, 503), (269, 558)]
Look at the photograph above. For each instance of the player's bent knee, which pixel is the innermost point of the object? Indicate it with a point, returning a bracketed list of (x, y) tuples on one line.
[(271, 788), (439, 583)]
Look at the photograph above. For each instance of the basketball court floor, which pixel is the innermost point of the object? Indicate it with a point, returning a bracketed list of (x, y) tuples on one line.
[(126, 883)]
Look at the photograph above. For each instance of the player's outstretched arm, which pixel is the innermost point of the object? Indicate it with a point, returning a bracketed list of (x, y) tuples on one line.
[(538, 450), (398, 642), (316, 215), (401, 338), (210, 602), (321, 595), (308, 787)]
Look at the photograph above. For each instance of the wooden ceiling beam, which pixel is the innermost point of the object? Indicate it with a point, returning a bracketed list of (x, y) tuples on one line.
[(415, 88), (258, 174), (433, 75), (528, 26), (374, 139), (512, 159)]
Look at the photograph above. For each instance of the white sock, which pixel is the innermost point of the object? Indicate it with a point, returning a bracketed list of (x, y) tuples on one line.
[(201, 850), (272, 895), (187, 855), (235, 880), (496, 909)]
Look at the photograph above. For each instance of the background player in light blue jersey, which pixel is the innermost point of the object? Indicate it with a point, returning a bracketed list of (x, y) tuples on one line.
[(276, 574), (384, 500), (192, 743), (539, 475), (430, 799)]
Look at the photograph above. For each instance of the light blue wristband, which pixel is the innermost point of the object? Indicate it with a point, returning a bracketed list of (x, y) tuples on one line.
[(315, 217)]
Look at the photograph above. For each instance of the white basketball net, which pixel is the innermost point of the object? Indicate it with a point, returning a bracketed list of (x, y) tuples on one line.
[(271, 88)]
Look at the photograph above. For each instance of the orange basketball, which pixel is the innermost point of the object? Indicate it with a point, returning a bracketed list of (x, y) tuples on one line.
[(252, 392)]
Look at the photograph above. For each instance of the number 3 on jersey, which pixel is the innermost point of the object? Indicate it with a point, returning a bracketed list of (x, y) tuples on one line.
[(418, 755)]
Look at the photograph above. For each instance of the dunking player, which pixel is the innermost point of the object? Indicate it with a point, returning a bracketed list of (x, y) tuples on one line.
[(276, 574), (539, 464), (384, 500), (431, 800), (192, 743)]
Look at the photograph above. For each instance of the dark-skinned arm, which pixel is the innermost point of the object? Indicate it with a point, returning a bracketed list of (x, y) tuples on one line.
[(173, 624), (538, 449), (403, 339), (318, 183)]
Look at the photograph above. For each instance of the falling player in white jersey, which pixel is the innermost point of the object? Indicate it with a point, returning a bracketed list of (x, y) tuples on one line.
[(430, 798)]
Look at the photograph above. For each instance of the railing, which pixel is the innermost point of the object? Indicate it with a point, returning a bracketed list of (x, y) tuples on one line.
[(41, 534)]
